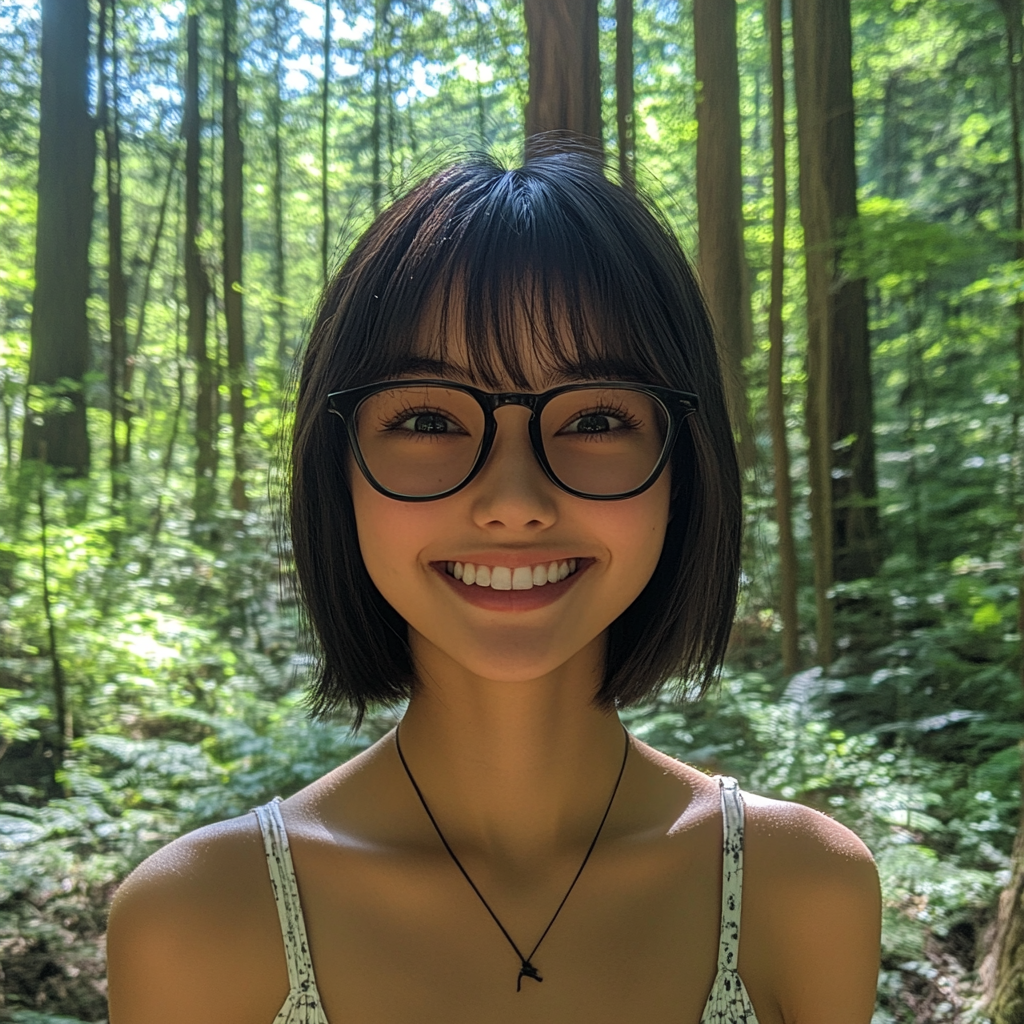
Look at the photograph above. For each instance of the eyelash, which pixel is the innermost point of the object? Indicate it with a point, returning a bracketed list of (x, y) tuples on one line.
[(628, 420), (408, 413)]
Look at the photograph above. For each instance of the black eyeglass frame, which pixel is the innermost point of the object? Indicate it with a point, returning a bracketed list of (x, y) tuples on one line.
[(678, 406)]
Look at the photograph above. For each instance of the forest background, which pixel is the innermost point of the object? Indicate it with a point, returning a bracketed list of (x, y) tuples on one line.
[(175, 184)]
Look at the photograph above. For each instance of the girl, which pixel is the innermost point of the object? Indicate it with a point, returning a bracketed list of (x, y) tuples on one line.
[(515, 503)]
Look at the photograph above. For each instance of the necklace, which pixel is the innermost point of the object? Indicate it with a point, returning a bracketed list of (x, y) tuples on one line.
[(526, 968)]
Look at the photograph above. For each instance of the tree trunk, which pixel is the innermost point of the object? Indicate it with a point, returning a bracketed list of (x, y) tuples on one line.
[(60, 329), (624, 105), (776, 394), (325, 213), (814, 215), (723, 264), (481, 54), (117, 286), (1003, 968), (61, 705), (376, 134), (565, 75), (197, 287), (280, 313), (824, 83), (389, 93), (231, 186)]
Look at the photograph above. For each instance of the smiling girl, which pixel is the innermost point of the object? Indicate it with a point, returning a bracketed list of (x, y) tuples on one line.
[(515, 503)]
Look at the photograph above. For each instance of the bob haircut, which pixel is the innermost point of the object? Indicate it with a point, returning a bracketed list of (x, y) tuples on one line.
[(556, 253)]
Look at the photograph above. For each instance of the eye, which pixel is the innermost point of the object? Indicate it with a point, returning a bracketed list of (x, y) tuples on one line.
[(427, 423), (424, 421), (599, 421)]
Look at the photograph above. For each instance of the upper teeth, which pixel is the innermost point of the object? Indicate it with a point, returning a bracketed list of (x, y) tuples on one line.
[(500, 577)]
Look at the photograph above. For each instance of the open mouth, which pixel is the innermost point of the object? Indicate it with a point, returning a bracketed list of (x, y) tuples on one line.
[(524, 577)]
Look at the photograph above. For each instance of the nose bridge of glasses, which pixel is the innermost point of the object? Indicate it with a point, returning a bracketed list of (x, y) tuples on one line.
[(527, 401)]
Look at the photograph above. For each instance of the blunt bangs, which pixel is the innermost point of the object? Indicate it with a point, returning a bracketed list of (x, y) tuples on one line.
[(457, 274)]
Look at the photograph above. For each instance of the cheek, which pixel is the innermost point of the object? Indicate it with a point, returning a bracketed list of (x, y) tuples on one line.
[(635, 530), (389, 531)]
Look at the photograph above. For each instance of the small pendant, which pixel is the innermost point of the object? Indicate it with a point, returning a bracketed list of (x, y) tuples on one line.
[(527, 971)]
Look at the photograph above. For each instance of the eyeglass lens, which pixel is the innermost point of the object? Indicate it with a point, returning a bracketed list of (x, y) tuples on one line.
[(419, 440)]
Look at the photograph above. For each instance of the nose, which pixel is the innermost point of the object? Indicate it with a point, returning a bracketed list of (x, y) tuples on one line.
[(512, 489)]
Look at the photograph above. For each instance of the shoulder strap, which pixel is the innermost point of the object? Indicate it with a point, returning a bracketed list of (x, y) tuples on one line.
[(732, 873), (286, 896)]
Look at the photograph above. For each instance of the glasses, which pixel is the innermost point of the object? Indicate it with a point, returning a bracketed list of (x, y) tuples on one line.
[(426, 439)]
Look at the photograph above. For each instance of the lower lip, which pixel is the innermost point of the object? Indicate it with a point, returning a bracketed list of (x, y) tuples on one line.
[(513, 600)]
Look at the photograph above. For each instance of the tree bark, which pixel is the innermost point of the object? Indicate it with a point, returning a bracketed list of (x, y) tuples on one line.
[(481, 54), (197, 288), (325, 212), (231, 192), (59, 354), (117, 285), (565, 75), (381, 10), (61, 705), (816, 220), (1003, 967), (723, 264), (776, 393), (824, 84), (624, 103), (280, 312)]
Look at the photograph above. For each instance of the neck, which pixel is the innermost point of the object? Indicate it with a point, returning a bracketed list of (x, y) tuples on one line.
[(513, 769)]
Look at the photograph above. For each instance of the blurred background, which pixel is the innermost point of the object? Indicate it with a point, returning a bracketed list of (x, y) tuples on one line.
[(176, 183)]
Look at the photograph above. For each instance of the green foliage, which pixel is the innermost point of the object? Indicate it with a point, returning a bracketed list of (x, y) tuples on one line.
[(180, 643)]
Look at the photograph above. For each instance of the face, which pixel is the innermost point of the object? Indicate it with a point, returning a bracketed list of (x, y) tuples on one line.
[(510, 578)]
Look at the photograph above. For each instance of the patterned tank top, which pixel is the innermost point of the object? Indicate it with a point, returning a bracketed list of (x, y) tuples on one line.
[(728, 1002)]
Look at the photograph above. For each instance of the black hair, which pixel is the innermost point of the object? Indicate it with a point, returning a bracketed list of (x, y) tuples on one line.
[(607, 292)]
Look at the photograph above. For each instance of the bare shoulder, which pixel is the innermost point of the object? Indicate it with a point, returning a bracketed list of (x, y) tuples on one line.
[(812, 896), (193, 933)]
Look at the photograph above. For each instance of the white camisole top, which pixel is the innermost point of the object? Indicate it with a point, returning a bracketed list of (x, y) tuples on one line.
[(728, 1001)]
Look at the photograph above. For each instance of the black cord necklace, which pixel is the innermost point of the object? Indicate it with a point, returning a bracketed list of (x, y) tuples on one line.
[(526, 968)]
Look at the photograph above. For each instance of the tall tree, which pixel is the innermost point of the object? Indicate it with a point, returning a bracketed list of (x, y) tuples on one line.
[(382, 16), (231, 192), (823, 45), (277, 149), (624, 105), (723, 263), (197, 285), (776, 393), (325, 181), (1003, 967), (117, 285), (67, 156), (565, 72), (817, 223)]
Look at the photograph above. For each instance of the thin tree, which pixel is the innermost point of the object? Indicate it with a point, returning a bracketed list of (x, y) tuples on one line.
[(59, 356), (382, 9), (723, 263), (565, 73), (624, 105), (117, 285), (823, 44), (1003, 967), (277, 152), (481, 53), (325, 99), (197, 285), (231, 194), (816, 219), (776, 392)]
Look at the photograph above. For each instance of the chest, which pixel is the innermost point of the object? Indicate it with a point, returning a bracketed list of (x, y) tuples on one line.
[(395, 939)]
